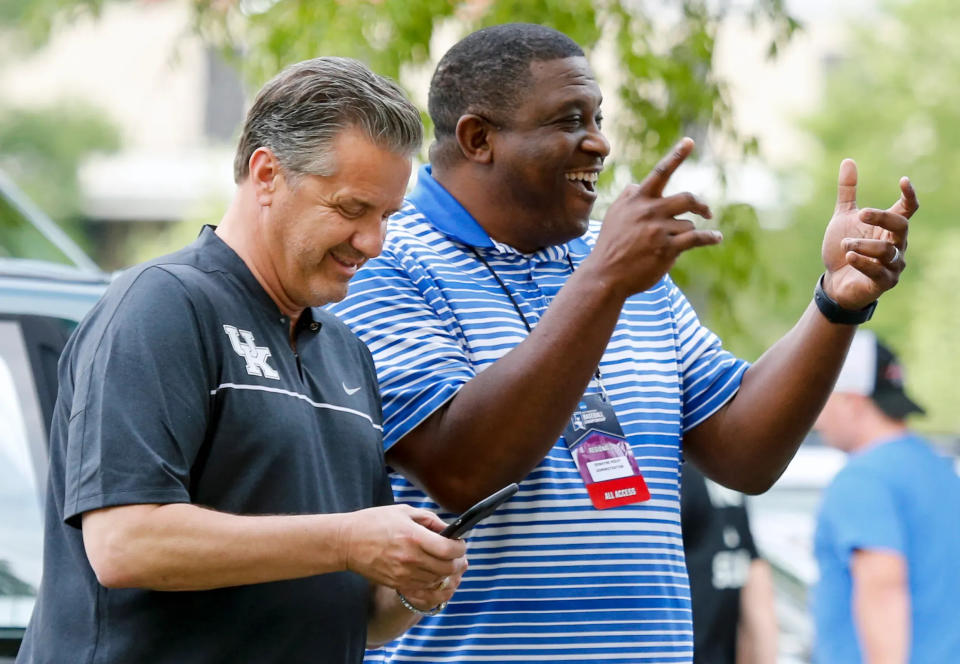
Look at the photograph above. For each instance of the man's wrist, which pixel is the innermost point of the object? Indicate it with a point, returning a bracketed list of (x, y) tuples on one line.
[(344, 523), (835, 313), (420, 612), (596, 282)]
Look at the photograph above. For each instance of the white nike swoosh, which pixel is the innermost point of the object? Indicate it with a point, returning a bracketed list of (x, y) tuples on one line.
[(349, 390)]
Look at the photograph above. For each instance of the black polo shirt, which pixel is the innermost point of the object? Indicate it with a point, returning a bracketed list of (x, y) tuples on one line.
[(181, 386)]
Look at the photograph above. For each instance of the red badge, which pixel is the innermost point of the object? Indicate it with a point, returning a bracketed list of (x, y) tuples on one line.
[(603, 455)]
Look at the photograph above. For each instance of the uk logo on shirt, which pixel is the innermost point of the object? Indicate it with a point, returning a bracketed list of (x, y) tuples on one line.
[(256, 356)]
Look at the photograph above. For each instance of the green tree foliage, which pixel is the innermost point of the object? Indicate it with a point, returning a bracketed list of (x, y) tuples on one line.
[(931, 341), (42, 149), (655, 61), (665, 85), (665, 66), (28, 24), (891, 102)]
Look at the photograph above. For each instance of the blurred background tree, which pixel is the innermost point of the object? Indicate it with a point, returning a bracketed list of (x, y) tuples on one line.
[(892, 104), (889, 102), (654, 61), (42, 148)]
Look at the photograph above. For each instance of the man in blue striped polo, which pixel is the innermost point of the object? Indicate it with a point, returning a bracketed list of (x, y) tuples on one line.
[(516, 340)]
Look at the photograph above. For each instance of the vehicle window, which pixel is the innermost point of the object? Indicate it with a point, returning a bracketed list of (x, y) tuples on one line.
[(21, 521), (29, 348), (44, 338), (21, 239)]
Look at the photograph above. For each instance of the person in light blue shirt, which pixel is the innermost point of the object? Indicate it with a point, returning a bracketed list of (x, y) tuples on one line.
[(887, 539)]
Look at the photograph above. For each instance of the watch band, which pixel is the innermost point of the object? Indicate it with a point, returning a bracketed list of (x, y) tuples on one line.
[(834, 313), (420, 612)]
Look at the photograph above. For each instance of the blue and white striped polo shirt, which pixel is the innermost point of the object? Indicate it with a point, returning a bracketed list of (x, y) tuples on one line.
[(551, 578)]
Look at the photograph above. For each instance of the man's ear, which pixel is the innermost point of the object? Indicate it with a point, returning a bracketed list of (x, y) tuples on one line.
[(264, 174), (473, 137)]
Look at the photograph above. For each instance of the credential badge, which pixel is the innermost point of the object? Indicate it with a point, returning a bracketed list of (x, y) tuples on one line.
[(256, 356), (578, 424)]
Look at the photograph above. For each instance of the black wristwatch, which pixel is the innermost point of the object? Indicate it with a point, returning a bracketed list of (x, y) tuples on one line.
[(834, 313)]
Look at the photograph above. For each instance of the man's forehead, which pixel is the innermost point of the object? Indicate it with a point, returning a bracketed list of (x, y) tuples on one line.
[(377, 179), (563, 72), (558, 83), (368, 191), (375, 197)]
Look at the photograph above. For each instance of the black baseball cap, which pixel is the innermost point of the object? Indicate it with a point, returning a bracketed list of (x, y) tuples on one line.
[(872, 369)]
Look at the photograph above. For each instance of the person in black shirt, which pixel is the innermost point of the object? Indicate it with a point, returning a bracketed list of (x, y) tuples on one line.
[(217, 486), (731, 587)]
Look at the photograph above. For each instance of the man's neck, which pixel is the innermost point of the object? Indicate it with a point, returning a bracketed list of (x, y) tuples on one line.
[(473, 191), (238, 230), (879, 430)]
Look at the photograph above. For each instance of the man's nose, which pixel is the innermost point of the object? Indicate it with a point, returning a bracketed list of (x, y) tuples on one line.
[(596, 142), (368, 240)]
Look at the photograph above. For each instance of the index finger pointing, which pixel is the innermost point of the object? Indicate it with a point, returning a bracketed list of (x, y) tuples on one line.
[(654, 183)]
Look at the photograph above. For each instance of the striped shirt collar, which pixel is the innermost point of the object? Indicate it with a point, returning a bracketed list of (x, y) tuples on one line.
[(448, 216)]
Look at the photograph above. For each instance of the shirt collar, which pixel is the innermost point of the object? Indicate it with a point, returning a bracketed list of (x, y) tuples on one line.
[(219, 255), (445, 212), (447, 215)]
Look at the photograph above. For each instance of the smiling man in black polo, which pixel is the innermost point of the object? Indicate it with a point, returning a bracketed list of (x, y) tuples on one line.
[(217, 488)]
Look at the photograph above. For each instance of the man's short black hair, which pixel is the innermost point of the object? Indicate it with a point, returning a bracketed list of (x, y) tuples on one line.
[(488, 71)]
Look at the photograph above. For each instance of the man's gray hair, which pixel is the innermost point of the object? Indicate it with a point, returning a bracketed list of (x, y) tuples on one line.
[(299, 113)]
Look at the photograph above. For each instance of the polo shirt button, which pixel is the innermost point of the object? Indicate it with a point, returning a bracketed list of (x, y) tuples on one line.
[(283, 320), (314, 326)]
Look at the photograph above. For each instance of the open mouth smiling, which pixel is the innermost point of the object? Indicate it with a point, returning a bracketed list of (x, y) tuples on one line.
[(351, 264), (585, 181)]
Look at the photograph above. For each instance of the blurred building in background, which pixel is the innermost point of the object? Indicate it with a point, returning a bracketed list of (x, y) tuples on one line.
[(178, 106)]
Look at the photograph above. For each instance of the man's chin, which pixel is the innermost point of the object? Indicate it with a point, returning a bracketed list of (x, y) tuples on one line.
[(327, 293), (584, 223), (562, 235), (330, 296), (574, 228)]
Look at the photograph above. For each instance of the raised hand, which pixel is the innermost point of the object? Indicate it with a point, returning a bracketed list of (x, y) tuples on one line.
[(398, 546), (641, 236), (863, 248)]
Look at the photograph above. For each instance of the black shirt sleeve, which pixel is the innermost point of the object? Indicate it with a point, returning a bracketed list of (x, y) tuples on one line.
[(140, 402), (747, 534)]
